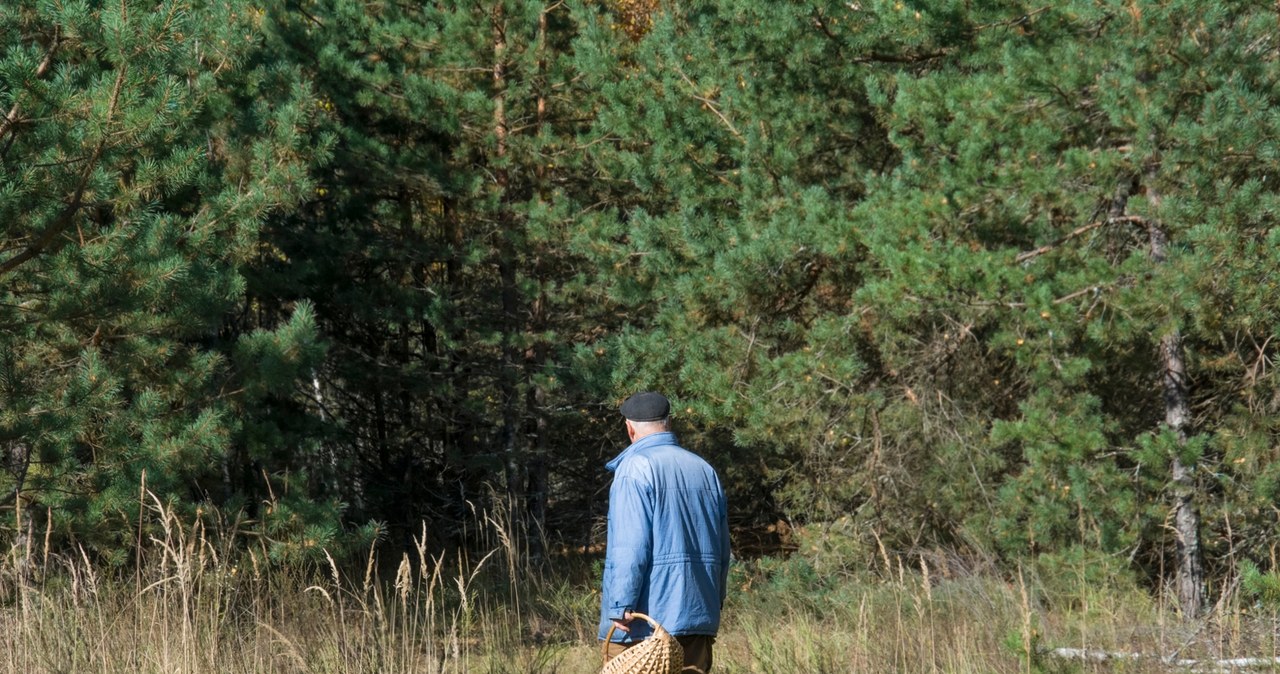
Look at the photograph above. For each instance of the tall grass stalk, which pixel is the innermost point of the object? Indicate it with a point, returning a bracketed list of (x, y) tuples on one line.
[(201, 601), (198, 601)]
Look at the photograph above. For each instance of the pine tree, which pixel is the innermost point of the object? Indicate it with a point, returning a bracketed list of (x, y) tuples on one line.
[(435, 250), (745, 133), (966, 269), (126, 219), (1074, 179)]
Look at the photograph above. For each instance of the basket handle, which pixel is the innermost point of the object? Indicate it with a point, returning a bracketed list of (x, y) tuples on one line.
[(658, 631)]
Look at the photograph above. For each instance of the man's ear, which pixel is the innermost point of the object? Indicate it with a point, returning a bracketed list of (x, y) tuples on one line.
[(631, 430)]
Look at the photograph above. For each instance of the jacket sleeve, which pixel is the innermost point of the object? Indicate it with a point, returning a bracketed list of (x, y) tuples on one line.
[(629, 553), (725, 553)]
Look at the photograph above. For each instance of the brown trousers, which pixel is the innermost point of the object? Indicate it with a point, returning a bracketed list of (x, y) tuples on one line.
[(697, 652)]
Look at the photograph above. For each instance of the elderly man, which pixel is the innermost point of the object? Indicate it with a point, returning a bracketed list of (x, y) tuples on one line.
[(668, 541)]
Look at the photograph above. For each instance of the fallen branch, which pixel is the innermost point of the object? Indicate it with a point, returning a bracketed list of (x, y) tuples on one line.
[(1096, 655)]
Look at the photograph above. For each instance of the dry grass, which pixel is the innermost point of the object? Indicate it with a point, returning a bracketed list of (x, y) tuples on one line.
[(201, 603)]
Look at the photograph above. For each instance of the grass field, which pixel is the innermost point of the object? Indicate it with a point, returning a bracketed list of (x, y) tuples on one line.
[(199, 605)]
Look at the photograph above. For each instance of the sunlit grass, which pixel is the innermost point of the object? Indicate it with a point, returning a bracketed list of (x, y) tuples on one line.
[(201, 603)]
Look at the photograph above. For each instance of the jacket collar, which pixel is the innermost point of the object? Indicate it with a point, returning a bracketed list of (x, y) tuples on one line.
[(663, 438)]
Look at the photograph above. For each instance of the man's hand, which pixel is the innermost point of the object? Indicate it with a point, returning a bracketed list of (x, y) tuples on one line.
[(626, 620)]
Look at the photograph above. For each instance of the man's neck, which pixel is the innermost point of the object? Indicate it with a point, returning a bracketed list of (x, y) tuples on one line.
[(637, 437)]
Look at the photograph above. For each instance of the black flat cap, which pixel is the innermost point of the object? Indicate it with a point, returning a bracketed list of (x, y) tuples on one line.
[(646, 406)]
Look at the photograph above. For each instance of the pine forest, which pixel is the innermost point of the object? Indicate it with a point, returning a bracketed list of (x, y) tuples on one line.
[(315, 318)]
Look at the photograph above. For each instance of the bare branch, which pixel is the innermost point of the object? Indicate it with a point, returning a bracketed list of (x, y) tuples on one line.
[(880, 57), (1027, 255), (1083, 229), (710, 105), (1083, 291), (1015, 21)]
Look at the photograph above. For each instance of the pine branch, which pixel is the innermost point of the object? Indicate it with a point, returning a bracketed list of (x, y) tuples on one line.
[(1095, 288), (1013, 22), (46, 239), (1027, 255), (881, 57), (1083, 291), (710, 105), (67, 215), (7, 124), (877, 57), (1084, 229)]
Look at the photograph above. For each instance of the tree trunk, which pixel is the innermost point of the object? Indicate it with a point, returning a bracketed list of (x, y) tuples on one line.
[(536, 490), (507, 273), (18, 460), (1177, 416), (536, 495)]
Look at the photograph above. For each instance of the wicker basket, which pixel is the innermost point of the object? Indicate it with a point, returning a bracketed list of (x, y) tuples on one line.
[(660, 653)]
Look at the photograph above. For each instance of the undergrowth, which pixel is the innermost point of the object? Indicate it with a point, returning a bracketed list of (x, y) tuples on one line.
[(200, 603)]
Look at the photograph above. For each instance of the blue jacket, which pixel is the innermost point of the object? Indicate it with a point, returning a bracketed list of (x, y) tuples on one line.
[(668, 541)]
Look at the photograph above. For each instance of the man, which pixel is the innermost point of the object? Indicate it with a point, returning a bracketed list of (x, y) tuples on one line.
[(668, 540)]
